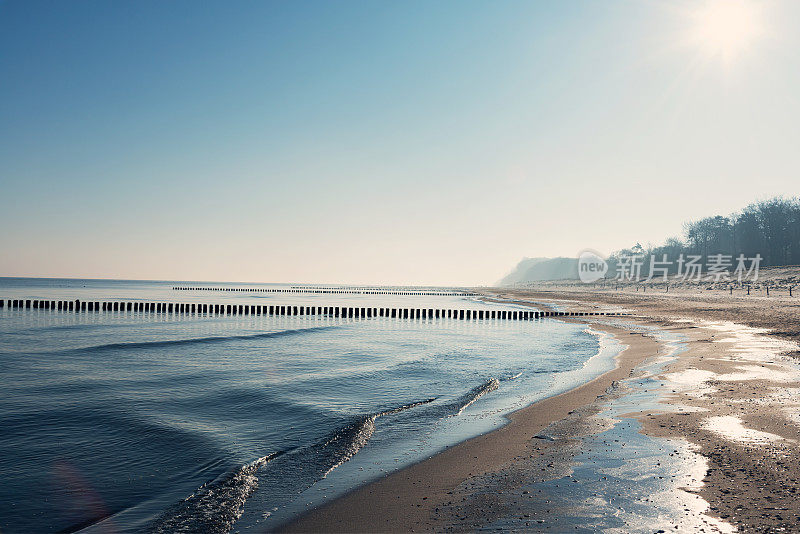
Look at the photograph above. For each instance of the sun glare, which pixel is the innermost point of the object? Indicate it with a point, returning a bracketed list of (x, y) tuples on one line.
[(727, 28)]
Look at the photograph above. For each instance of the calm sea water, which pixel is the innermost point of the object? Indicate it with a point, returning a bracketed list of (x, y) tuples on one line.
[(174, 423)]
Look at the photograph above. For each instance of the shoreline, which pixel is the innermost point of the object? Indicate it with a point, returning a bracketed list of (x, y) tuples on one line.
[(414, 497), (728, 402), (733, 394)]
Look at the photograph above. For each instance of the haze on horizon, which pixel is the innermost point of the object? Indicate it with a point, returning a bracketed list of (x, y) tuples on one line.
[(381, 143)]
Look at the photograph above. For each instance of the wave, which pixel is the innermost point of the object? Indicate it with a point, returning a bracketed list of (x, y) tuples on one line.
[(405, 407), (196, 340), (216, 505), (349, 440), (474, 394), (459, 404), (346, 442)]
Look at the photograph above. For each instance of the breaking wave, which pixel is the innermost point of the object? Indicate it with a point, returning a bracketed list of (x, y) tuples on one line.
[(216, 505), (346, 442), (475, 394)]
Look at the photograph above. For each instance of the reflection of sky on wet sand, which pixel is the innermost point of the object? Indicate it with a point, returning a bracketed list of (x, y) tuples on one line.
[(692, 382), (732, 428), (748, 343), (622, 480), (757, 372), (760, 357)]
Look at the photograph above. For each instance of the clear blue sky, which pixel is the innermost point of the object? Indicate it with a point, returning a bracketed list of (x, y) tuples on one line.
[(378, 142)]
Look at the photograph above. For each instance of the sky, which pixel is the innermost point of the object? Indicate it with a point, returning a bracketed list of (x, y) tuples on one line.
[(410, 142)]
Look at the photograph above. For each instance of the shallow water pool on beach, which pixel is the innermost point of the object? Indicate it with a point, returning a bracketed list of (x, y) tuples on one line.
[(173, 423)]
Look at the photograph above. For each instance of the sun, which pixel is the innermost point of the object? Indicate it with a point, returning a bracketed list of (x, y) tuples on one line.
[(727, 28)]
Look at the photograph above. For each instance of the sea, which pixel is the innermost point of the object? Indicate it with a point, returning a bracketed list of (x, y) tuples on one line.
[(164, 422)]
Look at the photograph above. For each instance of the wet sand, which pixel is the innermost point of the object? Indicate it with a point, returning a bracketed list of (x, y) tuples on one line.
[(738, 386), (742, 404)]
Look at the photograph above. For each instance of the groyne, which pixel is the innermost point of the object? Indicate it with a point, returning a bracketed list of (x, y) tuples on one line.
[(290, 309), (330, 291)]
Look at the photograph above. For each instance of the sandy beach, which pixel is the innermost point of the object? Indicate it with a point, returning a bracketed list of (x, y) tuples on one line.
[(701, 383)]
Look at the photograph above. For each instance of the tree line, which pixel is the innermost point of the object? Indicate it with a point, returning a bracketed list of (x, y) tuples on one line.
[(769, 228)]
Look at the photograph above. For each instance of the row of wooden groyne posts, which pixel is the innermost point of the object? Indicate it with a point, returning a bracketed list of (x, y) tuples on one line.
[(276, 309), (330, 291)]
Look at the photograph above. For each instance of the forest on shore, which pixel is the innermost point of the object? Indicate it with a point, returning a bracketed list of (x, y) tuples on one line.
[(769, 228)]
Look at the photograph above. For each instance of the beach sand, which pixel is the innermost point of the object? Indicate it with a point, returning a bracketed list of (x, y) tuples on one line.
[(729, 399), (739, 385)]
